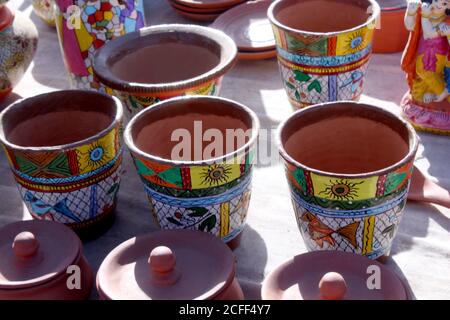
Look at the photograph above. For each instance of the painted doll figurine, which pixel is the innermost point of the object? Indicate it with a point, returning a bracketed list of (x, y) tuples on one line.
[(427, 64)]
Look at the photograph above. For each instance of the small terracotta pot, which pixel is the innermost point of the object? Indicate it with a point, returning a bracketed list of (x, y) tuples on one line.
[(45, 10), (348, 166), (19, 39), (324, 47), (65, 153), (42, 260), (391, 36), (195, 191), (160, 266), (165, 61)]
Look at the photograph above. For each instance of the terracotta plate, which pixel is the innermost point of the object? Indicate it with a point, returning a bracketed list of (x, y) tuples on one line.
[(389, 5), (248, 25), (255, 55), (210, 4), (176, 5), (198, 16)]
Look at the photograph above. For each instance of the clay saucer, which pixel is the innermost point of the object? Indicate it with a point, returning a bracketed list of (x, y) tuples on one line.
[(247, 24), (198, 16), (176, 5), (256, 55), (209, 4), (389, 5)]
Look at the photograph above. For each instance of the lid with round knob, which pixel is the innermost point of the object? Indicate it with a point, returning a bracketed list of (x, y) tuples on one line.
[(167, 265), (332, 275), (34, 252)]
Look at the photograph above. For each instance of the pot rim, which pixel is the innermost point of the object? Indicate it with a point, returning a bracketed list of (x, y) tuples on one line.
[(18, 104), (129, 141), (412, 146), (103, 71), (372, 20)]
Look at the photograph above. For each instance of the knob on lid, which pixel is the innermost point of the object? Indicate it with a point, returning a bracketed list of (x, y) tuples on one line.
[(332, 275), (33, 252)]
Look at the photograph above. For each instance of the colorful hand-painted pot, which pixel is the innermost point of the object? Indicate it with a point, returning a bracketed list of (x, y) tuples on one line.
[(18, 39), (45, 10), (348, 166), (333, 275), (324, 47), (85, 26), (165, 61), (160, 266), (65, 153), (391, 35), (42, 260), (195, 173)]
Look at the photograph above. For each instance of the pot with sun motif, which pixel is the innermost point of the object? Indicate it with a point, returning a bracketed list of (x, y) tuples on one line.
[(65, 154), (351, 197), (324, 47), (195, 156)]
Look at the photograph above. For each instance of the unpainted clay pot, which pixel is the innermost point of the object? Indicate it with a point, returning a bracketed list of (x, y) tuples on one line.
[(42, 260), (18, 39), (391, 35), (349, 166), (170, 265), (333, 275), (165, 61), (323, 47), (196, 189)]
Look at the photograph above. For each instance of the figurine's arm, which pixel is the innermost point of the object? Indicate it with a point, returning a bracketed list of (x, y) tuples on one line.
[(411, 12)]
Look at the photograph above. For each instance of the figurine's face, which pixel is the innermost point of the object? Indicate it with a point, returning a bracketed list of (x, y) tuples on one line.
[(441, 5)]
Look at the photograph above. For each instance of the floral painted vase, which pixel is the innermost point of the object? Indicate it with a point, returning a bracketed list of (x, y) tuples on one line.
[(44, 9), (427, 65), (18, 39), (85, 26), (324, 58)]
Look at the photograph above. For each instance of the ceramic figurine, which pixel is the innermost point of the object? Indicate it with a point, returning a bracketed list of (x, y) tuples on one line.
[(323, 47), (45, 10), (85, 26), (161, 62), (42, 260), (350, 198), (69, 170), (18, 44), (206, 193), (165, 268), (426, 62)]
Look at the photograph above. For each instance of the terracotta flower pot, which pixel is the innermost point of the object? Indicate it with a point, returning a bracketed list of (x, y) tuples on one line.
[(160, 266), (348, 166), (45, 10), (165, 61), (84, 26), (42, 260), (195, 191), (19, 39), (65, 153), (391, 36), (324, 47)]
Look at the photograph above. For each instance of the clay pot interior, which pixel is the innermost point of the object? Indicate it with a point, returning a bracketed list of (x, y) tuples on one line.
[(152, 131), (322, 15), (164, 57), (57, 118), (346, 138)]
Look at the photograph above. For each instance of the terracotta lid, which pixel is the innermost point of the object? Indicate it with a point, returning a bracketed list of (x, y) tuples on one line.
[(209, 3), (390, 5), (332, 275), (248, 25), (167, 265), (33, 252)]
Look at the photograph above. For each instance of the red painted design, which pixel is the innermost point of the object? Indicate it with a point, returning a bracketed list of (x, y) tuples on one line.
[(381, 185), (332, 43), (186, 178), (73, 161)]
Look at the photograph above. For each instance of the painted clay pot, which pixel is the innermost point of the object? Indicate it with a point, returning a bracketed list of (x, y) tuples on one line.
[(85, 26), (65, 154), (333, 275), (348, 166), (19, 39), (324, 47), (160, 266), (191, 184), (45, 10), (42, 260), (165, 61), (391, 36)]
